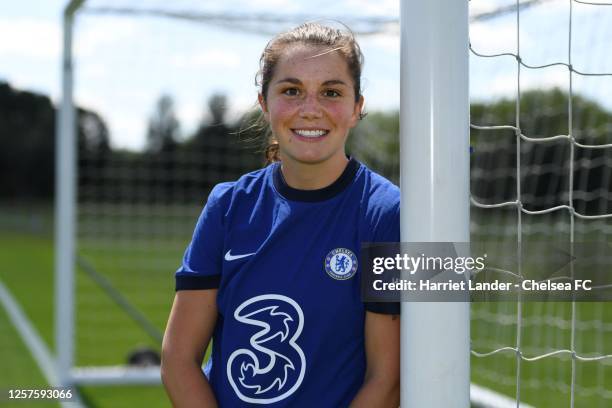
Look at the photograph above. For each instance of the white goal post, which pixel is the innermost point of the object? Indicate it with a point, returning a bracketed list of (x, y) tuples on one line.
[(434, 178), (65, 207), (65, 238)]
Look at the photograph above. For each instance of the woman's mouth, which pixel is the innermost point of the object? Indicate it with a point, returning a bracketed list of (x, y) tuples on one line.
[(310, 134)]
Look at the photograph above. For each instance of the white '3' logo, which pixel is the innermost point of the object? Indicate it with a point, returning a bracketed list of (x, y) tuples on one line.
[(281, 321)]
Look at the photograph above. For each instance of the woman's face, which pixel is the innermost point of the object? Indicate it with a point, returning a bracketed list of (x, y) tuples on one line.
[(310, 105)]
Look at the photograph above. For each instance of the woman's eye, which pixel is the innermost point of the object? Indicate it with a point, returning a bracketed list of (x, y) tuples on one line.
[(331, 93), (291, 92)]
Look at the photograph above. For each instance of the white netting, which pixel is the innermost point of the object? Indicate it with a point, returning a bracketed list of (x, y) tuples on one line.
[(544, 174), (533, 174), (167, 90)]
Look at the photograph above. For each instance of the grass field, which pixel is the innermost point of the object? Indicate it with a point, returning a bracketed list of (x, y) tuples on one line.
[(141, 271), (545, 326), (19, 370), (105, 334)]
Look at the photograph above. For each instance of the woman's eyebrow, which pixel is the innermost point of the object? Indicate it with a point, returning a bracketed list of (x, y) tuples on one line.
[(298, 82), (334, 82), (290, 80)]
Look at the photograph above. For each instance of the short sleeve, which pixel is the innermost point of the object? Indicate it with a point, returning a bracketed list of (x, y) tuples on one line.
[(388, 308), (201, 265), (387, 230)]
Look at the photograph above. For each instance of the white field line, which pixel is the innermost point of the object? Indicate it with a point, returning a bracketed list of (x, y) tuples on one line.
[(482, 397), (33, 341)]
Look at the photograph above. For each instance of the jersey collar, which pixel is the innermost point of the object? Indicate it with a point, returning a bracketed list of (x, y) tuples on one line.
[(322, 194)]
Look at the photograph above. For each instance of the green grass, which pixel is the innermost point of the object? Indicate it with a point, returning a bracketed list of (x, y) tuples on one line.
[(28, 272), (546, 327), (141, 266), (19, 370), (125, 397), (105, 335)]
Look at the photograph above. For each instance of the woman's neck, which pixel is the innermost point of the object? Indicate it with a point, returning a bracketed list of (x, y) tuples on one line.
[(307, 176)]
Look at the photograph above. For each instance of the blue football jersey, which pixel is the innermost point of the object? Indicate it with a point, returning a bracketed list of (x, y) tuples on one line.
[(290, 330)]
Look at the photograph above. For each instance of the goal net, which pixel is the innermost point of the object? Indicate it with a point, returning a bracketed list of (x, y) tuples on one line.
[(167, 119), (166, 95), (541, 137)]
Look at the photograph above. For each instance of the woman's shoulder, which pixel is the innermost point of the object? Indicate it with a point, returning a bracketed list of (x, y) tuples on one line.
[(249, 183), (380, 208), (380, 190)]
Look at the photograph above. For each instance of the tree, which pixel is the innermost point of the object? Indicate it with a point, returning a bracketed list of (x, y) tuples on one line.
[(164, 127), (544, 166), (217, 148), (93, 134), (27, 143), (375, 141), (217, 105), (27, 129)]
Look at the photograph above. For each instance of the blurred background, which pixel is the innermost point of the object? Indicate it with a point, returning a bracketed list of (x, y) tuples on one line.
[(165, 96)]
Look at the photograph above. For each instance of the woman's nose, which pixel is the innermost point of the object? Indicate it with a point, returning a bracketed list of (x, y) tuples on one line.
[(311, 108)]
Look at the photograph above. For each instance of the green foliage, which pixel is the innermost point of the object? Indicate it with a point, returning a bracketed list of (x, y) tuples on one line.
[(27, 143), (544, 113), (219, 151), (163, 130), (375, 141), (27, 123)]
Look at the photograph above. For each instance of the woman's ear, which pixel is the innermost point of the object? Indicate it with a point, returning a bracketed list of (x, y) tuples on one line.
[(264, 108), (357, 112)]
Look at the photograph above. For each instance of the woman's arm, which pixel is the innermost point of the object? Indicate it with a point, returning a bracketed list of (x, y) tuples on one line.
[(382, 379), (190, 327)]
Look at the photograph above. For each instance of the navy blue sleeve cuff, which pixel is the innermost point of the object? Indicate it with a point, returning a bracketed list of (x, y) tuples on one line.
[(388, 308), (197, 282)]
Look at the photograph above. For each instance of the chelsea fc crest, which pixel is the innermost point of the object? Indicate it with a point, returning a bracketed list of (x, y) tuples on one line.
[(341, 264)]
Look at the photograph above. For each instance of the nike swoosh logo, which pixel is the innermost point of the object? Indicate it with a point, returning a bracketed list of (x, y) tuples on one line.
[(230, 257)]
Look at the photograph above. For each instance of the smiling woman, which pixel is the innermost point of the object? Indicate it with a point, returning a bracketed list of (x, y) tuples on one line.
[(272, 271), (311, 105)]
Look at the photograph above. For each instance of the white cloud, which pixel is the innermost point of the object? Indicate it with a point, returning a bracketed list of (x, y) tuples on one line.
[(124, 63), (272, 5), (127, 128), (373, 7), (189, 115), (93, 71), (217, 58), (479, 7), (547, 78), (554, 6), (92, 34), (132, 131), (494, 38), (387, 42), (30, 38), (239, 104), (502, 85)]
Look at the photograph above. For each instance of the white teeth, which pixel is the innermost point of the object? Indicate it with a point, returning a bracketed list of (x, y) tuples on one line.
[(310, 133)]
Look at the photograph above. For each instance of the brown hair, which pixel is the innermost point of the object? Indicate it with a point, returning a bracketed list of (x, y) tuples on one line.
[(313, 34)]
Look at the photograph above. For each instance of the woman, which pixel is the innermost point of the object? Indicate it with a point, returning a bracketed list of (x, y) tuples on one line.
[(271, 274)]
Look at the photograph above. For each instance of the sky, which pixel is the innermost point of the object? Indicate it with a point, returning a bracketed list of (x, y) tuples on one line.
[(125, 63)]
